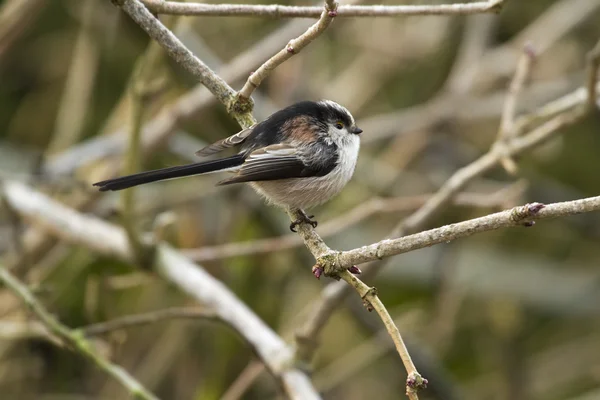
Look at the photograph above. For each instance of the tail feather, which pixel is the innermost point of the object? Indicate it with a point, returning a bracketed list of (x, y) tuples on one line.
[(128, 181)]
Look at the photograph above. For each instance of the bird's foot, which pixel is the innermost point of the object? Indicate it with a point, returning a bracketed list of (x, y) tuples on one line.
[(304, 219), (318, 271)]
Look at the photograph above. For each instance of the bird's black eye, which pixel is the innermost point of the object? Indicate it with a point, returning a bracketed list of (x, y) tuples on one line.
[(339, 125)]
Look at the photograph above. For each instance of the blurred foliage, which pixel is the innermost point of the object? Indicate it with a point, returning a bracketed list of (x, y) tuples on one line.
[(511, 314)]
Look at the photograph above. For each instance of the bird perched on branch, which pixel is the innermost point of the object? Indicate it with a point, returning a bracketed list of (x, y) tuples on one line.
[(299, 157)]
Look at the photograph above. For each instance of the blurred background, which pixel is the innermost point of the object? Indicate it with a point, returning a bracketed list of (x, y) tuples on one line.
[(509, 314)]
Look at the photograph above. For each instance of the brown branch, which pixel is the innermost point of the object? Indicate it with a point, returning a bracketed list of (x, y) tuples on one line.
[(563, 111), (360, 213), (323, 254), (293, 47), (172, 266), (184, 57), (73, 339), (159, 128), (507, 120), (518, 216), (152, 317), (414, 382), (281, 11), (16, 17), (593, 59)]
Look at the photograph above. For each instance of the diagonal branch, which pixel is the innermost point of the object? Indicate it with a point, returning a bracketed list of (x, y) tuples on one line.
[(281, 11), (415, 381), (560, 113), (184, 57), (518, 216), (293, 47), (151, 317), (593, 59), (74, 338), (172, 266), (354, 216)]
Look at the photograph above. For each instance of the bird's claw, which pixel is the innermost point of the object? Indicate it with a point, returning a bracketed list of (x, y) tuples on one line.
[(304, 219)]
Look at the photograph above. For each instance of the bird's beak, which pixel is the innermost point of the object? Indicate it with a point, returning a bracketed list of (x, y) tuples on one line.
[(356, 130)]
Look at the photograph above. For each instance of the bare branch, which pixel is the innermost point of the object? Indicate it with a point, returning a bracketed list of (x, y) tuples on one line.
[(564, 111), (281, 11), (73, 338), (173, 267), (15, 18), (151, 317), (414, 382), (593, 59), (159, 128), (354, 216), (325, 259), (184, 57), (507, 121), (293, 47), (518, 216)]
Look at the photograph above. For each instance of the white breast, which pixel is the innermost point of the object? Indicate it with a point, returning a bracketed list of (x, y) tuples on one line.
[(309, 192)]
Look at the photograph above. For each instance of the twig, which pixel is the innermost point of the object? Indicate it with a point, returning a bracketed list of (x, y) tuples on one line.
[(486, 162), (518, 216), (108, 239), (593, 59), (414, 381), (557, 20), (159, 128), (184, 57), (341, 223), (16, 17), (19, 330), (140, 92), (77, 93), (293, 47), (281, 11), (74, 339), (476, 37), (325, 259), (507, 121), (244, 380), (151, 317), (570, 112)]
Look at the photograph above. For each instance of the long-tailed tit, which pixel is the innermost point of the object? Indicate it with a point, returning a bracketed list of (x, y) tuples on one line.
[(299, 157)]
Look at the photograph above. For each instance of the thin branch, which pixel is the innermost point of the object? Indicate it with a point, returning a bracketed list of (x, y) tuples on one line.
[(341, 223), (243, 381), (516, 86), (16, 17), (293, 47), (518, 216), (507, 121), (20, 330), (414, 381), (565, 111), (184, 57), (147, 318), (73, 338), (593, 59), (76, 97), (172, 266), (281, 11), (480, 166), (141, 89), (159, 128)]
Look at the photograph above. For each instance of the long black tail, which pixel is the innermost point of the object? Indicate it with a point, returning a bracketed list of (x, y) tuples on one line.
[(128, 181)]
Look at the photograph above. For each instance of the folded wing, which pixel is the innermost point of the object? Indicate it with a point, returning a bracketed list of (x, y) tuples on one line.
[(279, 161), (226, 143)]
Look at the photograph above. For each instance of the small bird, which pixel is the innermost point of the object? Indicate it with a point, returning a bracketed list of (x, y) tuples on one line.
[(299, 157)]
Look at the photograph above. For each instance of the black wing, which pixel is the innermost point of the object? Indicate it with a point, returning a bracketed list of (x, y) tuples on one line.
[(226, 143), (284, 161)]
